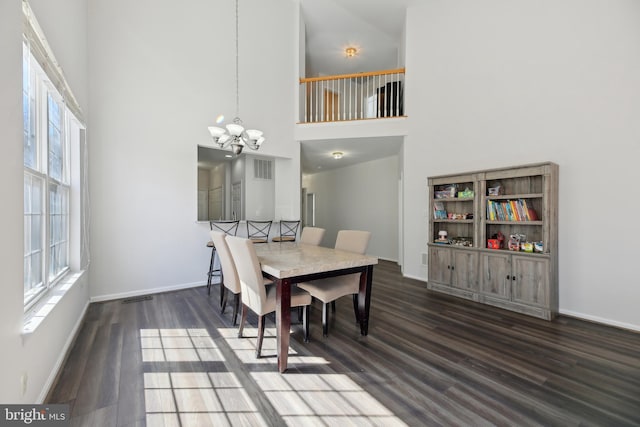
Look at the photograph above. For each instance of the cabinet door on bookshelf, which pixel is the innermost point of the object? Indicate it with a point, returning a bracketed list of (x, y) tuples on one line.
[(530, 280), (464, 269), (440, 264), (495, 269)]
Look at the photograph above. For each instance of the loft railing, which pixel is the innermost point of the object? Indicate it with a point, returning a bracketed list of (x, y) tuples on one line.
[(358, 96)]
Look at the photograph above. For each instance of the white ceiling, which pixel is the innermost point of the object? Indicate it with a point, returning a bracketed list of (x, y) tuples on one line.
[(376, 29), (315, 156)]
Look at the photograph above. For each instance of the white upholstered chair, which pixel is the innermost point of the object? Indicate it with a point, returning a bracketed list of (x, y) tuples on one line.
[(226, 227), (312, 235), (330, 289), (229, 280), (255, 296)]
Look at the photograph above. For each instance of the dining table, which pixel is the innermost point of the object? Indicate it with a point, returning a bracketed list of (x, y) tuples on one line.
[(288, 263)]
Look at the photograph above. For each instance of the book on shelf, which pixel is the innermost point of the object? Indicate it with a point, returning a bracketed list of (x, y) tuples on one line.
[(514, 210), (491, 213), (439, 212), (510, 210)]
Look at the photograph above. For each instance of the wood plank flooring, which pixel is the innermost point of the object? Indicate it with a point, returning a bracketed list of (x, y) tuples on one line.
[(429, 359)]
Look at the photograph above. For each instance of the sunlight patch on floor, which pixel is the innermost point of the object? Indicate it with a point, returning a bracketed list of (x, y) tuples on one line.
[(245, 348), (178, 345), (192, 398), (309, 399)]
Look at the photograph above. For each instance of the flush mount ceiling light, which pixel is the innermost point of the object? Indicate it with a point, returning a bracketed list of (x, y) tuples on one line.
[(235, 135), (350, 52), (337, 154)]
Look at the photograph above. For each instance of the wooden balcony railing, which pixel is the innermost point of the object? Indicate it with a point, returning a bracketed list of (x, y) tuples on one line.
[(357, 96)]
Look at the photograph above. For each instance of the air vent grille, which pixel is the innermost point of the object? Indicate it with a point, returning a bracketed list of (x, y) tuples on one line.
[(262, 169)]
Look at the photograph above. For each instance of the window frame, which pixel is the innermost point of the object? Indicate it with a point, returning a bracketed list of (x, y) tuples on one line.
[(54, 247)]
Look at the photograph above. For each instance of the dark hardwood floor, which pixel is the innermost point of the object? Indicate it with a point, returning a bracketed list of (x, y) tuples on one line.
[(429, 359)]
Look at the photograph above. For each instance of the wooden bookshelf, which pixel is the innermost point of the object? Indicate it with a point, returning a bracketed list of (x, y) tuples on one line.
[(519, 201)]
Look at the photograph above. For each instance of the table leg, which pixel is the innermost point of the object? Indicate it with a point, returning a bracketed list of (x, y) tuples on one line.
[(283, 321), (364, 299)]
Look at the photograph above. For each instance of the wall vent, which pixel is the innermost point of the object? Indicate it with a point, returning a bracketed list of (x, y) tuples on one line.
[(137, 299), (263, 169)]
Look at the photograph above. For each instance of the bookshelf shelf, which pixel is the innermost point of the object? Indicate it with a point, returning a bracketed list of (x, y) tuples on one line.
[(516, 196), (517, 203), (537, 223), (454, 221)]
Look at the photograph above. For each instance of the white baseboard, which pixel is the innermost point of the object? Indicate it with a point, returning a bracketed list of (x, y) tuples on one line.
[(61, 358), (600, 320), (574, 314), (137, 293), (421, 279)]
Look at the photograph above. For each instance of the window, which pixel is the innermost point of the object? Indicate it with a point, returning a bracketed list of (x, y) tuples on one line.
[(46, 181)]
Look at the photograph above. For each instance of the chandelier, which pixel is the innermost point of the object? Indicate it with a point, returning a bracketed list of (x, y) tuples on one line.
[(234, 134)]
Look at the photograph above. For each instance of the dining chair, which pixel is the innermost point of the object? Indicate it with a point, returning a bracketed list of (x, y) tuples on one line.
[(330, 289), (229, 280), (226, 227), (258, 231), (255, 296), (312, 235), (288, 231)]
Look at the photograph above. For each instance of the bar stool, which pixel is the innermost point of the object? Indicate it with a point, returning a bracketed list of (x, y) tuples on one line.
[(229, 228), (288, 231), (258, 231)]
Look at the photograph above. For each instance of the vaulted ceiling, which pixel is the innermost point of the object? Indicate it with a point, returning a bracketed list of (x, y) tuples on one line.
[(376, 29)]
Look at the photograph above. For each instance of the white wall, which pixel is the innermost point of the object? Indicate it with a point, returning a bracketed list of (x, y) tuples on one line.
[(260, 193), (500, 83), (359, 197), (287, 186), (36, 356), (159, 77)]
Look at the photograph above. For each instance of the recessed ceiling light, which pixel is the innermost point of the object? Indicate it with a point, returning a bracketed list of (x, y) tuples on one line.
[(337, 154), (228, 156)]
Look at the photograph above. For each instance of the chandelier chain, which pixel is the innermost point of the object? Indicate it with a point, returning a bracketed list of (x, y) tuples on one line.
[(237, 63)]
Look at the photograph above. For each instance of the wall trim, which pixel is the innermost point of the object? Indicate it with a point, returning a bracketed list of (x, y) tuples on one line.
[(574, 314), (111, 297), (418, 278), (600, 320)]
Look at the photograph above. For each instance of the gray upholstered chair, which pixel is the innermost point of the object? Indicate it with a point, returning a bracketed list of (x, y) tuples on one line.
[(288, 231), (255, 296), (312, 235), (330, 289)]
